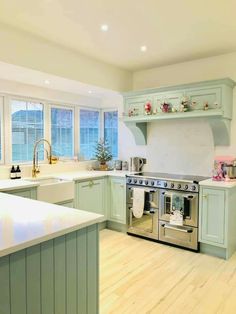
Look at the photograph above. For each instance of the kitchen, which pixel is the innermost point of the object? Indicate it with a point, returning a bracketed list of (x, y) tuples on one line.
[(175, 146)]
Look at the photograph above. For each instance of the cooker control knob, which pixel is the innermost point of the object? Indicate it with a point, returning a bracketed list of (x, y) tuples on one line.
[(135, 180), (179, 186), (193, 187), (172, 185), (153, 183), (165, 184), (140, 181), (186, 187), (129, 180), (146, 182)]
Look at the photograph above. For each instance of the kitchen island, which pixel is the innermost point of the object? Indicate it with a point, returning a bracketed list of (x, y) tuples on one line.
[(48, 258)]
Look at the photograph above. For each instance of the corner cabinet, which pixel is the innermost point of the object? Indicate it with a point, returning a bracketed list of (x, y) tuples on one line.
[(217, 221), (117, 202), (90, 196), (217, 95)]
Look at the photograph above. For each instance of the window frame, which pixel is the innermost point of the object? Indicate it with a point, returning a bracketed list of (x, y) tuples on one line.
[(68, 107), (100, 132), (2, 160), (103, 126), (9, 127)]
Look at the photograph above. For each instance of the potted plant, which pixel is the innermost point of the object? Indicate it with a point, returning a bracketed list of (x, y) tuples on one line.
[(103, 154)]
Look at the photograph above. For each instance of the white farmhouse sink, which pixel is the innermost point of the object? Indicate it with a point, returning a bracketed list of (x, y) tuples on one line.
[(54, 190)]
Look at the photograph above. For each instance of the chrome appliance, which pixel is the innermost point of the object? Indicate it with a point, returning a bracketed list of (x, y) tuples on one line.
[(136, 164), (155, 222)]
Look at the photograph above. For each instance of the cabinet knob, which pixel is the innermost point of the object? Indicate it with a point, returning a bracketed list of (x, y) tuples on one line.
[(205, 195), (122, 185)]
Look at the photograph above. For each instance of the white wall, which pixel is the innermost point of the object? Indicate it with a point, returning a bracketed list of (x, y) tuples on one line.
[(181, 146)]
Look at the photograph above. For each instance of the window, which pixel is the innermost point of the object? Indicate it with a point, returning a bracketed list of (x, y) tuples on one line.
[(27, 127), (89, 133), (62, 130), (111, 131)]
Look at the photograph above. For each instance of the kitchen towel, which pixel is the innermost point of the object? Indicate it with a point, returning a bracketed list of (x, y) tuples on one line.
[(176, 217), (138, 202)]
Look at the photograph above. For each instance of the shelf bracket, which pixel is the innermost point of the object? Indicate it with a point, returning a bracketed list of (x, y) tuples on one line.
[(139, 131), (220, 131)]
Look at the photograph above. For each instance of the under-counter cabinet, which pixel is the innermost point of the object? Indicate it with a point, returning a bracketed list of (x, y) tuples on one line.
[(26, 193), (217, 221), (90, 196), (117, 201)]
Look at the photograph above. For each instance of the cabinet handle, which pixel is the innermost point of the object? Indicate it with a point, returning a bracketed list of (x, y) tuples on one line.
[(122, 185), (91, 184), (205, 196)]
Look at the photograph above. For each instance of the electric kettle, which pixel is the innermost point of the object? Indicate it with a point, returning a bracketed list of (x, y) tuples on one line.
[(136, 164)]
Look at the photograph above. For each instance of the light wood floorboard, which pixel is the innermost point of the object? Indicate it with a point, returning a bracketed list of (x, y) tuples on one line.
[(143, 277)]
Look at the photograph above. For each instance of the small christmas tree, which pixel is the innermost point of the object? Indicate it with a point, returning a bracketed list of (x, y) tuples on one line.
[(103, 153)]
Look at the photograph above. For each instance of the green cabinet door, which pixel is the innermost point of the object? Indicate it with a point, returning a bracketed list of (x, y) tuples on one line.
[(117, 200), (27, 193), (201, 96), (212, 216), (90, 196)]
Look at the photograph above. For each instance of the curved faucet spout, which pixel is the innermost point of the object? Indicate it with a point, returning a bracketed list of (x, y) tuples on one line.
[(35, 168)]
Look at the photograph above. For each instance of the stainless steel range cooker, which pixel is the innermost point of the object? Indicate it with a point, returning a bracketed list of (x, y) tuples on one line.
[(155, 224)]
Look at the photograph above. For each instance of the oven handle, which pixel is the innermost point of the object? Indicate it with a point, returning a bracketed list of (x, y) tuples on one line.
[(188, 196), (176, 228), (146, 190)]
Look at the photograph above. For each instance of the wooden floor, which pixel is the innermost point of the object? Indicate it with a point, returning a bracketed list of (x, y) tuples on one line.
[(140, 276)]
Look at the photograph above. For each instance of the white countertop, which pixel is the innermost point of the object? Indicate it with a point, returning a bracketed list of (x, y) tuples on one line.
[(8, 185), (80, 175), (218, 184), (25, 222)]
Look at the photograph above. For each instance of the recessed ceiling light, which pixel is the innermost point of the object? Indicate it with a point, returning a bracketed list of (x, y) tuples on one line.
[(104, 27), (90, 92), (47, 82), (143, 48)]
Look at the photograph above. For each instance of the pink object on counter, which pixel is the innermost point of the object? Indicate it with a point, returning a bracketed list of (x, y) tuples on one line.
[(225, 159)]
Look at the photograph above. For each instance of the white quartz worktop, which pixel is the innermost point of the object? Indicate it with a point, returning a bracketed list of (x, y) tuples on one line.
[(8, 185), (25, 222), (80, 175), (218, 184)]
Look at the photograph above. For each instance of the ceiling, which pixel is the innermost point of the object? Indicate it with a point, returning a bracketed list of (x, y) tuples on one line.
[(173, 31)]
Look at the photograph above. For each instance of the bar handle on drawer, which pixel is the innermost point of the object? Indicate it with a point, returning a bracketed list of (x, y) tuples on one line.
[(177, 229)]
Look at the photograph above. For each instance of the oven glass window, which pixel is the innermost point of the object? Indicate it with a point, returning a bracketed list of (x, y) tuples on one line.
[(167, 204)]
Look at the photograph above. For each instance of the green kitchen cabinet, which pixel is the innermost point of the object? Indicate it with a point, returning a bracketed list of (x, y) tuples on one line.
[(217, 220), (117, 202), (27, 193), (91, 196), (58, 276), (213, 216)]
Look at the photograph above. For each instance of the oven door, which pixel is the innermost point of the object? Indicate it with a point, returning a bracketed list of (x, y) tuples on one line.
[(184, 236), (147, 225), (190, 210)]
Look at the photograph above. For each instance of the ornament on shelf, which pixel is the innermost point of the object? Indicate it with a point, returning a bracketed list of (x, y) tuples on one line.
[(184, 105), (165, 107), (174, 109), (133, 112), (206, 106), (193, 104), (154, 111), (148, 108)]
